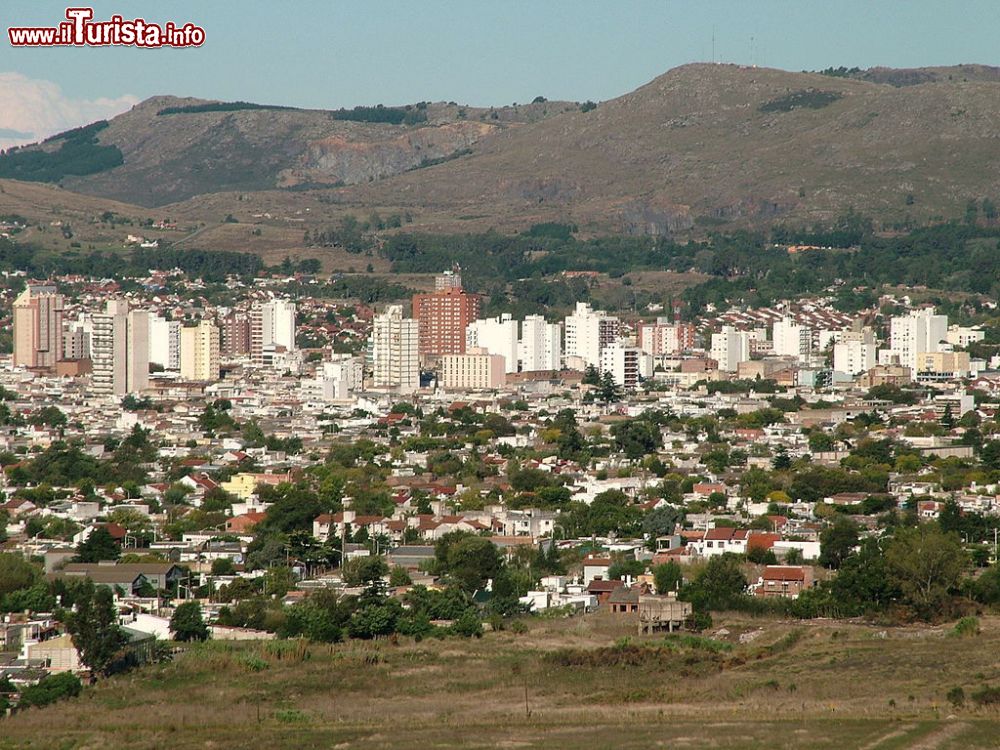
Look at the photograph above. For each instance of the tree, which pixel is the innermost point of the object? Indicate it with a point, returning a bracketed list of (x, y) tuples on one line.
[(637, 437), (16, 573), (718, 586), (100, 545), (661, 521), (51, 689), (837, 541), (468, 560), (223, 566), (926, 564), (591, 376), (762, 556), (820, 442), (399, 576), (667, 577), (363, 571), (863, 583), (793, 556), (187, 624), (94, 628), (609, 391)]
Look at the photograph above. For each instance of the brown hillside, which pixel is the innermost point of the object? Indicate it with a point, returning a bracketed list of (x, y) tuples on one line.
[(713, 143)]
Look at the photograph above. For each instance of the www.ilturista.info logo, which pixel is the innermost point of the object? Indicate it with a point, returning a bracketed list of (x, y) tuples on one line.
[(79, 30)]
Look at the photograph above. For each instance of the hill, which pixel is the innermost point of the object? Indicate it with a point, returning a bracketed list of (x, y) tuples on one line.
[(714, 144), (168, 149), (566, 683), (701, 147)]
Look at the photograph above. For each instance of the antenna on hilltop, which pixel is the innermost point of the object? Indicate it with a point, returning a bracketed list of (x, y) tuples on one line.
[(713, 44), (753, 60)]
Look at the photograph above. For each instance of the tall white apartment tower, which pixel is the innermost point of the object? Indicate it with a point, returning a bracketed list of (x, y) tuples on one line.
[(164, 342), (919, 332), (791, 339), (496, 336), (854, 353), (394, 351), (272, 323), (730, 347), (588, 331), (540, 347), (120, 350)]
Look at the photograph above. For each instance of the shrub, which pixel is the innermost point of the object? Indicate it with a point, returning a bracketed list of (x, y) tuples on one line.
[(698, 621), (468, 625), (51, 689), (252, 663), (967, 627), (956, 696), (986, 696)]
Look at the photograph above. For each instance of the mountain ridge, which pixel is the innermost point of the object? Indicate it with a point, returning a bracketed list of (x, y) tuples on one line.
[(700, 146)]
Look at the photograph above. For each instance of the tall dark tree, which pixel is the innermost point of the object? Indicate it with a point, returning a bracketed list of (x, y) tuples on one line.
[(837, 542), (100, 545), (187, 624), (94, 628)]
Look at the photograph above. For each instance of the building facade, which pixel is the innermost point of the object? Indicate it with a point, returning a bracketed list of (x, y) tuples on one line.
[(395, 347), (540, 345), (495, 335), (120, 350), (442, 319), (476, 369), (200, 348), (38, 327)]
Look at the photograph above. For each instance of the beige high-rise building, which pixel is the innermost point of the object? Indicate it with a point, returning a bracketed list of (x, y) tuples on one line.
[(119, 348), (476, 369), (200, 351), (38, 324), (394, 351), (272, 323)]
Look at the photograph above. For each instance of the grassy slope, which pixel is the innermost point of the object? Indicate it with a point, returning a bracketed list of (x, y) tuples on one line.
[(472, 694)]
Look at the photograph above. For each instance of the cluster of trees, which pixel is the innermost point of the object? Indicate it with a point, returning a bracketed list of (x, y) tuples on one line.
[(210, 265), (465, 563), (217, 107), (78, 154), (408, 115), (66, 464), (745, 266)]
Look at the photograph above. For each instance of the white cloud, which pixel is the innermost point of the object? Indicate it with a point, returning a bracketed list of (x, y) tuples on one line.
[(32, 109)]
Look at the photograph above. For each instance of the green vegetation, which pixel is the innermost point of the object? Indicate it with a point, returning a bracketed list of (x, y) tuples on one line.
[(391, 115), (190, 109), (619, 691), (520, 273), (187, 624), (211, 265), (808, 99), (78, 154), (51, 689)]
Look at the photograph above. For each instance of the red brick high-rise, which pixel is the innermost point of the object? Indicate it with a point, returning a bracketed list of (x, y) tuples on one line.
[(442, 317)]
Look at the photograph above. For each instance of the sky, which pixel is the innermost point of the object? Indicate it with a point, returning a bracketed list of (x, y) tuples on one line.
[(337, 53)]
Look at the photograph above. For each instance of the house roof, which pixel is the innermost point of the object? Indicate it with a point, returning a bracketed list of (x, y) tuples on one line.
[(600, 586), (784, 573)]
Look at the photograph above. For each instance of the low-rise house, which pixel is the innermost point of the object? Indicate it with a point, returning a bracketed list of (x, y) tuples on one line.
[(783, 580), (595, 567), (129, 576), (602, 589)]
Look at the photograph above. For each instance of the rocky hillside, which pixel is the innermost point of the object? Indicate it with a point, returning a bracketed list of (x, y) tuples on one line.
[(699, 147), (171, 149), (715, 144)]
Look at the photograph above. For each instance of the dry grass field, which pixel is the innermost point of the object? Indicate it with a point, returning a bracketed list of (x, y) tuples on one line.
[(565, 683)]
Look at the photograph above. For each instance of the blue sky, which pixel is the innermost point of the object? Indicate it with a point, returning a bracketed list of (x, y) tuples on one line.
[(346, 52)]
